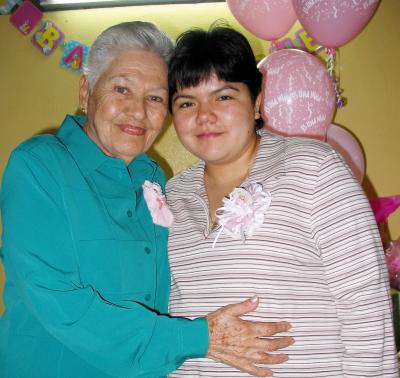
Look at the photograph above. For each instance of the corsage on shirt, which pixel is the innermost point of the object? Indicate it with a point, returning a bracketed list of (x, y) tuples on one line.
[(243, 211), (157, 204)]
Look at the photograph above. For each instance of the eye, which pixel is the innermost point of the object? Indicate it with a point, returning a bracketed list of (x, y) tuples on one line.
[(121, 89), (186, 104), (157, 99), (224, 98)]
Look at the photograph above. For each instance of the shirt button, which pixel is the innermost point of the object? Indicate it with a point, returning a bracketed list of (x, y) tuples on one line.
[(129, 213), (147, 250), (147, 297)]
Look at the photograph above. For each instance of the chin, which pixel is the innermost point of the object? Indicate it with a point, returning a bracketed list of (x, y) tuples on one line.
[(213, 159), (133, 150), (211, 155)]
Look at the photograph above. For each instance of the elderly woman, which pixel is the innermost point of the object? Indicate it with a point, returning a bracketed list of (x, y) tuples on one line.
[(84, 247), (279, 217)]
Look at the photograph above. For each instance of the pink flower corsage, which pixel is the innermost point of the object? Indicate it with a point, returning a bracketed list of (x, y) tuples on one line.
[(157, 204), (243, 211)]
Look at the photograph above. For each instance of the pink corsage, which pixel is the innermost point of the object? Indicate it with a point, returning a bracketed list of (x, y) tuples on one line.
[(157, 204), (243, 211)]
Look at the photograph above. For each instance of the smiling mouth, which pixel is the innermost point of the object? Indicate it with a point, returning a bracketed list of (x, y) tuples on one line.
[(209, 135), (132, 130)]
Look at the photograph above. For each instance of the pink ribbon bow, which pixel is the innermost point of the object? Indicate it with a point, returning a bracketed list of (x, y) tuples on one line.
[(157, 204), (243, 211)]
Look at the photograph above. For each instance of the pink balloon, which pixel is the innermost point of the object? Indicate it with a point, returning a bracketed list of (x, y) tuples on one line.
[(298, 97), (347, 146), (333, 23), (266, 19)]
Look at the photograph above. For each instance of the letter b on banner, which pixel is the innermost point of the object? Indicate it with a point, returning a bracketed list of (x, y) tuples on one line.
[(48, 37)]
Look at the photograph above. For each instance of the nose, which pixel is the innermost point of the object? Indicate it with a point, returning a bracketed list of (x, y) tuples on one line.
[(137, 108), (205, 114)]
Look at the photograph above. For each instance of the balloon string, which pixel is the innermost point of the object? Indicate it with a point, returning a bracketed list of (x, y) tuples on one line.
[(273, 47), (330, 66)]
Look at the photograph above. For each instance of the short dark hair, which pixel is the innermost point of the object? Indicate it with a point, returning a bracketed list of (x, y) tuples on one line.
[(220, 50)]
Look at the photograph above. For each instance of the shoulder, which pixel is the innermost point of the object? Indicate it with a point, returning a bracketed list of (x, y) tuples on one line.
[(296, 146), (40, 146), (186, 181), (39, 156), (299, 161), (295, 151), (307, 147), (37, 142)]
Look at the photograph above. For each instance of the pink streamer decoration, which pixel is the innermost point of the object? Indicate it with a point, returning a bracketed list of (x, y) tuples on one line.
[(384, 206)]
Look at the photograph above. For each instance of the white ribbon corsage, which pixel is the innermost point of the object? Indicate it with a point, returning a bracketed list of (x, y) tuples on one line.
[(243, 211), (157, 204)]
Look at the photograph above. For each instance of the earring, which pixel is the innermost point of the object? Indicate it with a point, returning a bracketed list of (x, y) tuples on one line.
[(257, 115), (83, 110)]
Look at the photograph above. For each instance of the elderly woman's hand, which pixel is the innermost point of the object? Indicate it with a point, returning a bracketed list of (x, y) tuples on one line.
[(243, 344)]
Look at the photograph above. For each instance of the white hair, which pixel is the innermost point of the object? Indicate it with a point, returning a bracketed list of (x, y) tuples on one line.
[(119, 38)]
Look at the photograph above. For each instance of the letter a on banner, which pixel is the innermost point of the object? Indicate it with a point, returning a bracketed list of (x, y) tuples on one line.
[(75, 55)]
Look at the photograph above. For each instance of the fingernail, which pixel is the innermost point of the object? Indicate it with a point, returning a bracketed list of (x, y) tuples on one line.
[(288, 326), (254, 299), (284, 357)]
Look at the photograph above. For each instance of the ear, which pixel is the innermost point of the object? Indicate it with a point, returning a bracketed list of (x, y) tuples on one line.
[(83, 93), (257, 105)]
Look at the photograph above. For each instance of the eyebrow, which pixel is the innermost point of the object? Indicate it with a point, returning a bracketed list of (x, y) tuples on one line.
[(130, 80), (216, 91), (121, 76)]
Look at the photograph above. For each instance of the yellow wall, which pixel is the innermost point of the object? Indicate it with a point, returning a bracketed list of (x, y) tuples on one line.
[(36, 92)]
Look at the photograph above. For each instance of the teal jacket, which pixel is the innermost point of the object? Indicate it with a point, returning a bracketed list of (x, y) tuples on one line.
[(87, 275)]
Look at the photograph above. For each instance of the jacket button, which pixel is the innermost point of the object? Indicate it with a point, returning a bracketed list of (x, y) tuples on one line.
[(147, 297), (147, 250), (129, 213)]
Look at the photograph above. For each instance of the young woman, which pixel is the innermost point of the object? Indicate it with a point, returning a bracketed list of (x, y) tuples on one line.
[(279, 217)]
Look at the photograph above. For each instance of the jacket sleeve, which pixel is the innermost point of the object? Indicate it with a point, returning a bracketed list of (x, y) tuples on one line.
[(350, 247), (131, 341)]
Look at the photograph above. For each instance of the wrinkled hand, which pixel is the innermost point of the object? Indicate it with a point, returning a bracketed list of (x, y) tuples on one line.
[(242, 344)]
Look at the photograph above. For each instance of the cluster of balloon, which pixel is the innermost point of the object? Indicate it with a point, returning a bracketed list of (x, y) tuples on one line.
[(331, 23), (266, 19), (299, 94), (334, 23)]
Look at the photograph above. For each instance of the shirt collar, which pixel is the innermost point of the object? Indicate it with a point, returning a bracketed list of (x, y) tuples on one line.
[(88, 155), (270, 161)]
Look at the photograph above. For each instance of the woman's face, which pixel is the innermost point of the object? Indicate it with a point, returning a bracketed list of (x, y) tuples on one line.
[(215, 120), (128, 105)]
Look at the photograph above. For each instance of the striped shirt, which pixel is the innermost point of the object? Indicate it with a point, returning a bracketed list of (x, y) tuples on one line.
[(316, 261)]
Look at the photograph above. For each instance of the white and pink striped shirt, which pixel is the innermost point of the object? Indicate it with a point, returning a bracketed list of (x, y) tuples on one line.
[(316, 261)]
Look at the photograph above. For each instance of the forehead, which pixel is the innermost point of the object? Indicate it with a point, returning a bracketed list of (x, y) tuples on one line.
[(212, 84), (211, 80), (137, 63)]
